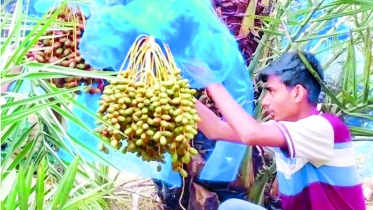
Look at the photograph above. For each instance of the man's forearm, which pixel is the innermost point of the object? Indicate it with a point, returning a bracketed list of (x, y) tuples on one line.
[(213, 127), (209, 121), (242, 123)]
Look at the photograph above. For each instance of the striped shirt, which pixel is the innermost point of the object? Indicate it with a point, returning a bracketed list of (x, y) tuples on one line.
[(317, 169)]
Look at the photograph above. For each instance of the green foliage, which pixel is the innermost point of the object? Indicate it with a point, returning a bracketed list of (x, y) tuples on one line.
[(32, 174)]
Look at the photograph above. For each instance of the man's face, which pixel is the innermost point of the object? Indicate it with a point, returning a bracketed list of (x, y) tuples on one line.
[(279, 100)]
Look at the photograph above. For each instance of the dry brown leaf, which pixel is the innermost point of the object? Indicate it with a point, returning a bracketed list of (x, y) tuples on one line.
[(202, 199)]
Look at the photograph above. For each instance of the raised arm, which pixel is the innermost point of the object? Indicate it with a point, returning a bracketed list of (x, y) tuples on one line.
[(213, 127), (240, 126), (248, 130), (216, 129)]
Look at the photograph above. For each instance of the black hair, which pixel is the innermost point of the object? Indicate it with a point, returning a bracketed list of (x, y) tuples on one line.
[(292, 71)]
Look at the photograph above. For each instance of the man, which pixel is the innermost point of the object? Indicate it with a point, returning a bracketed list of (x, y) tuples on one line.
[(313, 150)]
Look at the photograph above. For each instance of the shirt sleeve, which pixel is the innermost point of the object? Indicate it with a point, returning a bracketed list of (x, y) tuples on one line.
[(311, 138), (265, 150)]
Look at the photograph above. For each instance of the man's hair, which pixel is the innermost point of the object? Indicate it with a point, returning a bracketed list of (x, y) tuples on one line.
[(292, 71)]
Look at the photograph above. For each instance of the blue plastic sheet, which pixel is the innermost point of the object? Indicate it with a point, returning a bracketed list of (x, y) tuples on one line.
[(192, 30), (37, 8), (43, 6), (25, 88), (11, 6)]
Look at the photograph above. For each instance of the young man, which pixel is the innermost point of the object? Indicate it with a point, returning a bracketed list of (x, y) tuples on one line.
[(313, 150)]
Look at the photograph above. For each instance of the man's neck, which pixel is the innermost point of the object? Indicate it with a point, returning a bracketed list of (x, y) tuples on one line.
[(306, 111)]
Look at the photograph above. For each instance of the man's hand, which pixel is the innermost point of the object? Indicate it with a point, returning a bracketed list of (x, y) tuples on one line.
[(199, 73)]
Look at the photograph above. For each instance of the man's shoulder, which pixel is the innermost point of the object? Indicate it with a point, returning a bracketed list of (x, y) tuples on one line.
[(326, 123), (322, 120), (333, 119), (341, 131)]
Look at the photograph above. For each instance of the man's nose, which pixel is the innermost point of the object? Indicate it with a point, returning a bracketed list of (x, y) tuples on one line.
[(265, 100)]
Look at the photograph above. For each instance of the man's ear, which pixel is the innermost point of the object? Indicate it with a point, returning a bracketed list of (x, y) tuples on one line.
[(299, 93)]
